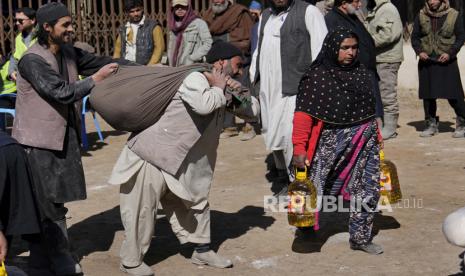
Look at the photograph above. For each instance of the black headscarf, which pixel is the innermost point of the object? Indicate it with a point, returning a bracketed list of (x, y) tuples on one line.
[(334, 93)]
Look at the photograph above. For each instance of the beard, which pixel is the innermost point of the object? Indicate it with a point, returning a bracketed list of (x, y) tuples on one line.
[(135, 19), (219, 8), (351, 9), (255, 17), (64, 38), (278, 9), (228, 70)]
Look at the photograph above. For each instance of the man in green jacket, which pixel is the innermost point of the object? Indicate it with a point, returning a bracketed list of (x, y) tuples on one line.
[(385, 26), (6, 86), (25, 21)]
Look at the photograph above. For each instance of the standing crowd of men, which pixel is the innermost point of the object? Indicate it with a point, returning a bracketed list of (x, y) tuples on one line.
[(171, 163)]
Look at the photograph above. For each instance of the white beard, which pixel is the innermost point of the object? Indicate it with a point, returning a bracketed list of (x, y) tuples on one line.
[(220, 8), (351, 9)]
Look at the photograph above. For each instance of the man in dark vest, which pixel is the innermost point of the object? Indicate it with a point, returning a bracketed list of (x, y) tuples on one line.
[(140, 40), (291, 34), (437, 37), (47, 125)]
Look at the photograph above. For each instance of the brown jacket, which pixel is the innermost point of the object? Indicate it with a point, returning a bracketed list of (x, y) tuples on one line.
[(38, 122), (234, 25)]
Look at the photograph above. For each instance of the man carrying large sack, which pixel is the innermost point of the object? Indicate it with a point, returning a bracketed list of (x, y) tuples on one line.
[(47, 125), (172, 162)]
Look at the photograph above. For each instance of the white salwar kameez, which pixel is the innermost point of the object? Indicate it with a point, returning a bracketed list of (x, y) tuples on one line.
[(277, 110)]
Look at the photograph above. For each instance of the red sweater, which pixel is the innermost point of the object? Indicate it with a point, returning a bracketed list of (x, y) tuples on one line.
[(305, 134)]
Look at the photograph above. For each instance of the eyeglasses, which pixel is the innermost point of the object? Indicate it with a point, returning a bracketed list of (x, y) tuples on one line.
[(179, 7), (20, 20)]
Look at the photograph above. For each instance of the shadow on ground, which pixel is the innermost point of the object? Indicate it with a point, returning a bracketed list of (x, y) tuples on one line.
[(443, 126), (334, 223), (462, 265), (97, 232), (278, 183), (94, 142)]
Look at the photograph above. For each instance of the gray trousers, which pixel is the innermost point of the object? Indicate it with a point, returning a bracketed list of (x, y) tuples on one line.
[(140, 198), (388, 86)]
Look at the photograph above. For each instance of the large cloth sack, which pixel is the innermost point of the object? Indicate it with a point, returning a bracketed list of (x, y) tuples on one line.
[(135, 97)]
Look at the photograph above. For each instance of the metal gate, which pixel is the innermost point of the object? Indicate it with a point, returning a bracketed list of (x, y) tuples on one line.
[(96, 21)]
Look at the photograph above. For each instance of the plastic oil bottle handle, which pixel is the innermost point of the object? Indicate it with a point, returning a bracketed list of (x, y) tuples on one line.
[(301, 173), (2, 269)]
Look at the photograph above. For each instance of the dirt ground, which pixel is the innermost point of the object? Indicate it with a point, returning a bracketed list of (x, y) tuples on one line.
[(432, 177)]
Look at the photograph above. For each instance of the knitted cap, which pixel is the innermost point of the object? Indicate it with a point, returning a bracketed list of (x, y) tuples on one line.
[(51, 12), (222, 50)]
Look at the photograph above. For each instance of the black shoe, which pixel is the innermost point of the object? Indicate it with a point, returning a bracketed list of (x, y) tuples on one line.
[(282, 192)]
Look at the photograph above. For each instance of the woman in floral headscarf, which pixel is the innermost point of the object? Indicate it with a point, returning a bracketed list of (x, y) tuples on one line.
[(336, 134), (189, 37)]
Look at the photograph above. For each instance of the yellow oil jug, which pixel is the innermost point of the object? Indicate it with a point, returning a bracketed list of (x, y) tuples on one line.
[(302, 200), (2, 269), (389, 181)]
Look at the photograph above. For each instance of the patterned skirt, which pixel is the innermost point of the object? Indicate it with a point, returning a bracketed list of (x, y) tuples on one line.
[(346, 163)]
